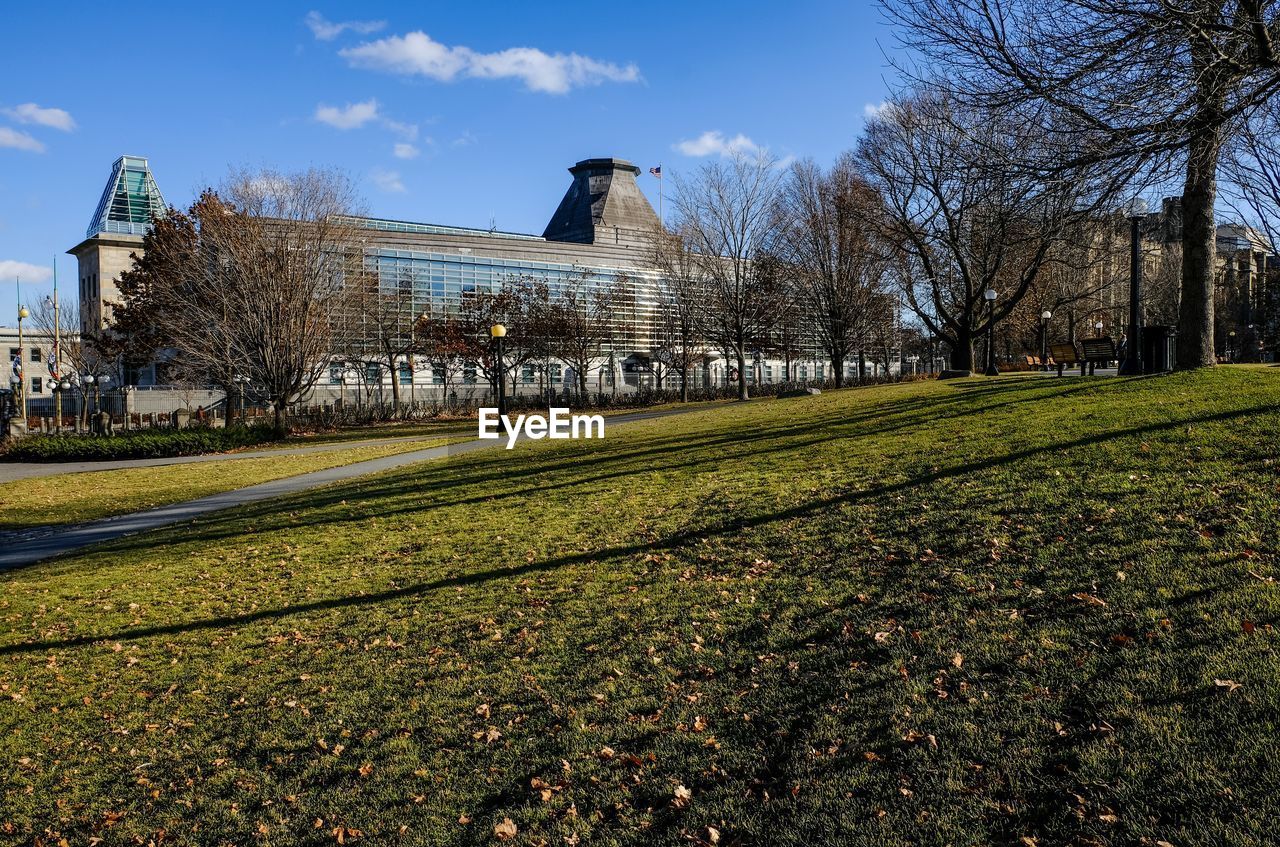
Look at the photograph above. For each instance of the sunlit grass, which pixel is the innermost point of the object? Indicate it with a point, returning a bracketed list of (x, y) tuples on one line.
[(1008, 611)]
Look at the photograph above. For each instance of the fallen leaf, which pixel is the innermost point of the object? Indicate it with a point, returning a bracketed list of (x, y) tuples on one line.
[(506, 830)]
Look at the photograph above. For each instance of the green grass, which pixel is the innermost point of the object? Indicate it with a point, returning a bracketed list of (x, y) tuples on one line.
[(940, 613), (76, 497)]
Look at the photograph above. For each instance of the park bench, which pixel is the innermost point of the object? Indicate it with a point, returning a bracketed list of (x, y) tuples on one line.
[(1064, 354), (1097, 351), (1035, 363)]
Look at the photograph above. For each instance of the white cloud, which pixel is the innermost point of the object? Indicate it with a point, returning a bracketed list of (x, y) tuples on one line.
[(351, 116), (713, 142), (325, 30), (19, 140), (877, 110), (416, 53), (404, 150), (388, 181), (407, 131), (10, 269), (30, 113)]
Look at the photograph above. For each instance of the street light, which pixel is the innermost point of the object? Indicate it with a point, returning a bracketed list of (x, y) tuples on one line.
[(242, 382), (1231, 346), (498, 332), (1135, 210), (990, 296), (1045, 316)]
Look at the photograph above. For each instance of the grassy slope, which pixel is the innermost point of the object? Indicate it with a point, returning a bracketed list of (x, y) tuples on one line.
[(780, 607), (76, 497)]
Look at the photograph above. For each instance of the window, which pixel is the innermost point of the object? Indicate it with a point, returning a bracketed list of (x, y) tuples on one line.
[(406, 373), (554, 370), (372, 373), (469, 373), (526, 374), (14, 353), (37, 385), (437, 375), (335, 374), (35, 354)]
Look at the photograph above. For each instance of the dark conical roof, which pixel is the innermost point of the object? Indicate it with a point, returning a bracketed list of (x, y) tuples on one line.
[(603, 203)]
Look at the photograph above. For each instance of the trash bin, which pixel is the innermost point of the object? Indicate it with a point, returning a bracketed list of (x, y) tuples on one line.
[(1158, 351)]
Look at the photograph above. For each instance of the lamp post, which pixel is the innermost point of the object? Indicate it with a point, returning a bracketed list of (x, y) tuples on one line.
[(1231, 347), (63, 388), (91, 380), (498, 332), (19, 387), (1044, 335), (242, 382), (990, 296), (1135, 210)]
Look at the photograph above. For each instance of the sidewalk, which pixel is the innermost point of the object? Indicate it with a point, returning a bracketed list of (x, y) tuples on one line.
[(34, 545), (12, 471)]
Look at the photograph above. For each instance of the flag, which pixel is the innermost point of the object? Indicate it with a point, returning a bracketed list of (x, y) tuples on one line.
[(51, 361), (656, 171), (17, 366)]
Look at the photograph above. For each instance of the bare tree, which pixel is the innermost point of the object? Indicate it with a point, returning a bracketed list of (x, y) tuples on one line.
[(379, 325), (727, 214), (1152, 82), (252, 280), (585, 319), (964, 212), (828, 241), (77, 356), (678, 343)]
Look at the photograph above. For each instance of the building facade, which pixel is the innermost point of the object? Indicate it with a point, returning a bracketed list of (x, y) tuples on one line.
[(599, 236)]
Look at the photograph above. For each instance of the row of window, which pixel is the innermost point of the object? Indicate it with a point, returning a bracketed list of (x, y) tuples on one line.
[(34, 354)]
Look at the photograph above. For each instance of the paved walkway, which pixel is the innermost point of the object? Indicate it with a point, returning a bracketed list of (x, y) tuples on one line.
[(11, 471), (25, 547)]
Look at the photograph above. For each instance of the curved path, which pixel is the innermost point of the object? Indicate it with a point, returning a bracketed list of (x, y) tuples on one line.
[(25, 547), (12, 471)]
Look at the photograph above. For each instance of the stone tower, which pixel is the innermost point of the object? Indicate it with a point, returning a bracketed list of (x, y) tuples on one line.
[(604, 206)]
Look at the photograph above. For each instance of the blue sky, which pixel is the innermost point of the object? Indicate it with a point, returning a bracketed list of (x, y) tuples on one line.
[(454, 113)]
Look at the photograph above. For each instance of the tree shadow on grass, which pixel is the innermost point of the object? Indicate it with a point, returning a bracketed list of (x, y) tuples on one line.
[(725, 528)]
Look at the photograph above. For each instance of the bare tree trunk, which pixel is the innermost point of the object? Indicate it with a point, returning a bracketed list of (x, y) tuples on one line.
[(281, 421), (837, 369), (962, 353), (742, 374), (1195, 313)]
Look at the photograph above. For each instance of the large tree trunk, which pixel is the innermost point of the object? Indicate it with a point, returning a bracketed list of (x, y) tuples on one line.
[(1195, 313), (395, 387), (742, 373), (837, 368), (281, 425), (962, 352)]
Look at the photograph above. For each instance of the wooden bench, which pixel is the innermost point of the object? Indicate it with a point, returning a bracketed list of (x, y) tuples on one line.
[(1035, 363), (1098, 351), (1064, 355)]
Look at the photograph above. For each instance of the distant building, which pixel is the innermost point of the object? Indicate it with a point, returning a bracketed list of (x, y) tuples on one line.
[(599, 235), (35, 352)]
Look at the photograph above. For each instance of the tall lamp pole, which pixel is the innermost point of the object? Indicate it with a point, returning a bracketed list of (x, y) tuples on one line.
[(20, 387), (990, 296), (499, 332), (1132, 364)]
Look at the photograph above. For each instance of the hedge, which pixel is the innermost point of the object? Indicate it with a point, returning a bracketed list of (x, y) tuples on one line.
[(137, 444)]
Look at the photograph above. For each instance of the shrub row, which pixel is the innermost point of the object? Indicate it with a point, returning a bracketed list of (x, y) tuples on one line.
[(139, 444)]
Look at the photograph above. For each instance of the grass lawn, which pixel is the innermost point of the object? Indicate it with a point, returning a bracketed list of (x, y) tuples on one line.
[(75, 497), (1023, 611)]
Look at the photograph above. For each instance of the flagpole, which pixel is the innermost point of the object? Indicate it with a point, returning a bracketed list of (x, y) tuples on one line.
[(661, 218)]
